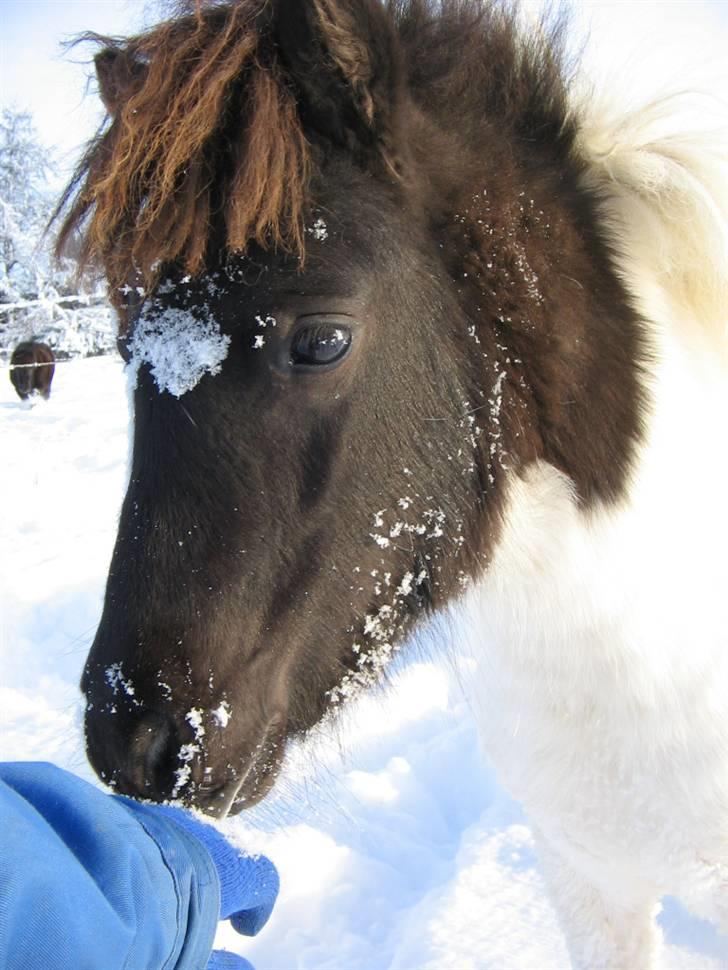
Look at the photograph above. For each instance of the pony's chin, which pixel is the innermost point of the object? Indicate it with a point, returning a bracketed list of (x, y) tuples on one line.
[(247, 798), (235, 796)]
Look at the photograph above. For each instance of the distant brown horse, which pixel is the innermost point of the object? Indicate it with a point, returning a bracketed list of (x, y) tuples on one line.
[(31, 369)]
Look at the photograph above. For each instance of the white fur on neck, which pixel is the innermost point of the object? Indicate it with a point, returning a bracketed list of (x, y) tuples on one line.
[(601, 646), (600, 638)]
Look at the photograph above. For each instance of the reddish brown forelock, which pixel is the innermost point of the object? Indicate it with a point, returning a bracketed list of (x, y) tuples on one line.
[(205, 110), (267, 199)]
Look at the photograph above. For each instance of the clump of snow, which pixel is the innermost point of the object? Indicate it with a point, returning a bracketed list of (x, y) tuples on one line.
[(222, 714), (319, 230), (166, 689), (179, 348), (114, 677), (183, 774), (194, 719)]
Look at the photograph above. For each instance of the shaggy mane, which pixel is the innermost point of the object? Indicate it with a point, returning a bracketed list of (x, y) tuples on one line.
[(202, 129), (204, 147)]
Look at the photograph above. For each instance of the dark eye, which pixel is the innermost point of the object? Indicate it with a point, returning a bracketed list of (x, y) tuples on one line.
[(317, 344)]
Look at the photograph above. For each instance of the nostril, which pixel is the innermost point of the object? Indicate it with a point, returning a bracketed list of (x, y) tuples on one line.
[(153, 755)]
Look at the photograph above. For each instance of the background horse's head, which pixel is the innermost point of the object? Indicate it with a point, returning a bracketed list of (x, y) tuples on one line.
[(32, 366), (360, 286)]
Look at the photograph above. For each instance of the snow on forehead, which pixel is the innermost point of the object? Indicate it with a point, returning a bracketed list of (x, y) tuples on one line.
[(179, 347)]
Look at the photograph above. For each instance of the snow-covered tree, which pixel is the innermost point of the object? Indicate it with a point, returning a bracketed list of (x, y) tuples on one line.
[(24, 205), (38, 297)]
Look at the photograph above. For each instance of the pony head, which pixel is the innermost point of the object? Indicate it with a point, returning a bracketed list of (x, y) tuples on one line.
[(361, 287)]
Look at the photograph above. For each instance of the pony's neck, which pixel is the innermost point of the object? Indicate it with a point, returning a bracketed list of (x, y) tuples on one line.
[(643, 577)]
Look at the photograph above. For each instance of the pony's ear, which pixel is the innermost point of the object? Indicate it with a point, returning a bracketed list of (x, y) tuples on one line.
[(344, 58), (118, 75)]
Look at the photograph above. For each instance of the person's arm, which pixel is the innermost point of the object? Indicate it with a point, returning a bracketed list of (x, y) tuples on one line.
[(98, 883)]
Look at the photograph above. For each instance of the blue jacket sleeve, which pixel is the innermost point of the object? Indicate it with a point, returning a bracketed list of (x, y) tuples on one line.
[(88, 883)]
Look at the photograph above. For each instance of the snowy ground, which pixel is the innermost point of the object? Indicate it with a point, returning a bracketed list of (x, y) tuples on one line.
[(397, 848)]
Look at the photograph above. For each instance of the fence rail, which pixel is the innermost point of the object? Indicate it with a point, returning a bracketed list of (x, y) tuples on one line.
[(75, 301)]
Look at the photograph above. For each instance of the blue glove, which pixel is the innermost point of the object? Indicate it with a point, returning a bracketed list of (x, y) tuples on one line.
[(248, 885), (224, 960), (92, 880)]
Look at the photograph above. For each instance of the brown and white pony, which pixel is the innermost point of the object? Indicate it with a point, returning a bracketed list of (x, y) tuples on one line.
[(414, 327)]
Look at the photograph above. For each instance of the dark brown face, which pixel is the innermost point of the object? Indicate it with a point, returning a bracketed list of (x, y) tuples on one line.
[(289, 517), (292, 512)]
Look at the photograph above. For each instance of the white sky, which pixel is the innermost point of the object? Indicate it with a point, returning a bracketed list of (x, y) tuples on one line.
[(35, 75)]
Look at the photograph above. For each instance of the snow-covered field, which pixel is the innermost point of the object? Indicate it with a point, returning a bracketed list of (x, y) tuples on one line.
[(397, 848)]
